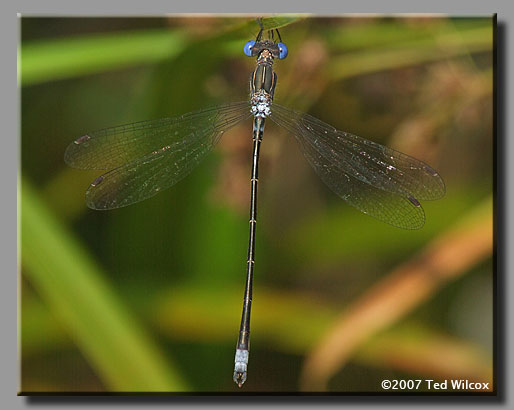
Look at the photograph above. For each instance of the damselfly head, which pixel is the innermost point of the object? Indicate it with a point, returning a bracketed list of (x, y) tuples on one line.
[(254, 48)]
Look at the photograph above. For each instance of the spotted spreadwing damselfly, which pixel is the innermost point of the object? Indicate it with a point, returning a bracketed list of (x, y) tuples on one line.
[(147, 157)]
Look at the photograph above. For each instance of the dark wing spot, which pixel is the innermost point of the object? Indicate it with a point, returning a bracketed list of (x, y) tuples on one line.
[(97, 181), (82, 139), (431, 170), (414, 201)]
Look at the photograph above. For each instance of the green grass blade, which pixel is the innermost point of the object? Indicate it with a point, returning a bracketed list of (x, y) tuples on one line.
[(71, 57), (447, 45), (60, 59), (74, 289), (272, 23)]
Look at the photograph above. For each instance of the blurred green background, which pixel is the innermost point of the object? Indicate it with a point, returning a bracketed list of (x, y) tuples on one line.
[(149, 297)]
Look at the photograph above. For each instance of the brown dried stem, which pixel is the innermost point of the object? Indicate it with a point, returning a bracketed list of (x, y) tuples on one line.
[(450, 255)]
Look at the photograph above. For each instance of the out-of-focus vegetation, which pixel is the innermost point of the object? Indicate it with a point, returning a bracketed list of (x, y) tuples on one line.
[(148, 297)]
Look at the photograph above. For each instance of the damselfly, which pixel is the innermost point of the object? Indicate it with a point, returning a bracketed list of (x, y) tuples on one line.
[(147, 157)]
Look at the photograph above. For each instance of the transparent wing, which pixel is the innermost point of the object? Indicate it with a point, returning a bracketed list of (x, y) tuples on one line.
[(149, 156), (376, 180), (112, 147)]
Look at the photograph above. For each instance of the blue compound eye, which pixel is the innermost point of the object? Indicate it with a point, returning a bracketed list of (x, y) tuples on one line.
[(283, 50), (248, 47)]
